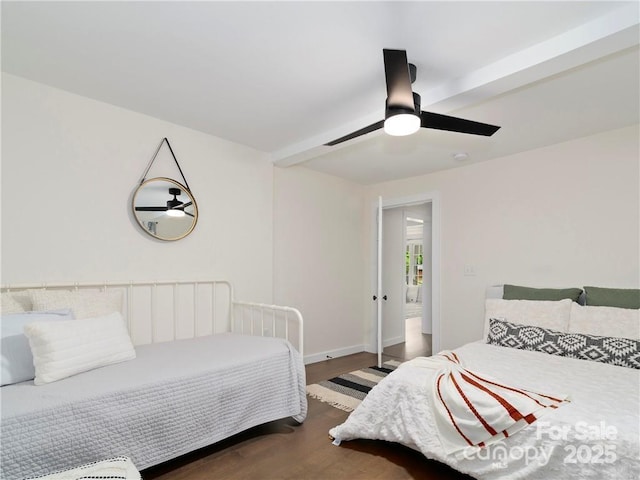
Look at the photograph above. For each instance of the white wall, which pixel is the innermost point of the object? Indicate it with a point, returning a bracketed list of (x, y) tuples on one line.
[(319, 258), (566, 215), (562, 216), (69, 167)]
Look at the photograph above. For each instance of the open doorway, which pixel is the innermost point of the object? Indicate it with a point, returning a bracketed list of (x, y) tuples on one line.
[(407, 272)]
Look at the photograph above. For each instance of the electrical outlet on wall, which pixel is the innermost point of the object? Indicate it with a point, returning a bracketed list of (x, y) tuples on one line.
[(469, 271)]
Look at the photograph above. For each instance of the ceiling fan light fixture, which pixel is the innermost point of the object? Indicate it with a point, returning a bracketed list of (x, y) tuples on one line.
[(174, 212), (173, 205), (401, 123), (404, 114)]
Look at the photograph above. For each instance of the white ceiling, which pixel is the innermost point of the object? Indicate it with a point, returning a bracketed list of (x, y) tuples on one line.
[(286, 77)]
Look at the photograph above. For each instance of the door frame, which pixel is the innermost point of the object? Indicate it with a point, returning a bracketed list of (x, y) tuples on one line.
[(427, 197)]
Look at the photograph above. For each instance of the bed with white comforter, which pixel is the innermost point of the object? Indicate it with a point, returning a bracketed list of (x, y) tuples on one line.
[(552, 392), (595, 435)]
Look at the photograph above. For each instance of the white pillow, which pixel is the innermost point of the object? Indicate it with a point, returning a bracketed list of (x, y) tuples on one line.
[(553, 315), (605, 321), (15, 302), (17, 361), (62, 349), (85, 304)]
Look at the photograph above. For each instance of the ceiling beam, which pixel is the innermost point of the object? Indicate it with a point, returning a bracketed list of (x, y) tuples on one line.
[(596, 39)]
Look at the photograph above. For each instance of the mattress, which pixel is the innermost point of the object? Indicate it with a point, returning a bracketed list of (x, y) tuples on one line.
[(596, 435), (175, 397)]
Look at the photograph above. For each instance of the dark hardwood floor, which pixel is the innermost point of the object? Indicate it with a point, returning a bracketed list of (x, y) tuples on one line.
[(417, 344), (287, 451)]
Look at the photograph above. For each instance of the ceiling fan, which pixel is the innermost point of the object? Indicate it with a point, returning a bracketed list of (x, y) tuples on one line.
[(402, 110), (174, 208)]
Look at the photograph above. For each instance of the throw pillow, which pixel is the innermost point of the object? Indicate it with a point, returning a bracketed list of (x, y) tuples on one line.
[(605, 321), (612, 297), (62, 349), (17, 361), (515, 292), (540, 313), (623, 352), (84, 303), (15, 302)]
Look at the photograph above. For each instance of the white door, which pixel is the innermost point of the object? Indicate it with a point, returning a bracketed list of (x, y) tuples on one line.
[(390, 282), (393, 276), (378, 297), (433, 266)]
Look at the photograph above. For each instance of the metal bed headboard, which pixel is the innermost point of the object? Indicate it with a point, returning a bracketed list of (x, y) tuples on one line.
[(169, 310)]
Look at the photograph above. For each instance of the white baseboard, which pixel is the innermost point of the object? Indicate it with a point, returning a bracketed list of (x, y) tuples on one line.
[(392, 341), (340, 352), (385, 343)]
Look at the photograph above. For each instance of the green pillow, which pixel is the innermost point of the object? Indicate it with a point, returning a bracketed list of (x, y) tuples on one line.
[(515, 292), (612, 297)]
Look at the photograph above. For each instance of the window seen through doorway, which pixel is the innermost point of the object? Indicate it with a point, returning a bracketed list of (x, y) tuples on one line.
[(414, 263)]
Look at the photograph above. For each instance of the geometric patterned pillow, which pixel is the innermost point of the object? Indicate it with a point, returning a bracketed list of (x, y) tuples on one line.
[(623, 352), (523, 337)]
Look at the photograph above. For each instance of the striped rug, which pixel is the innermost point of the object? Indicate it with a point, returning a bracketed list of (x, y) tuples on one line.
[(347, 391)]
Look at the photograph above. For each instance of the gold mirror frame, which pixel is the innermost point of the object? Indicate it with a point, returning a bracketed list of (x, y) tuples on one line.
[(151, 203)]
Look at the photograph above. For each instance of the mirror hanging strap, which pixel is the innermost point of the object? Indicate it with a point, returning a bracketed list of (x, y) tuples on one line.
[(144, 175)]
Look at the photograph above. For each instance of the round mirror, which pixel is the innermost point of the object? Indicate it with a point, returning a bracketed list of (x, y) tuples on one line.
[(165, 209)]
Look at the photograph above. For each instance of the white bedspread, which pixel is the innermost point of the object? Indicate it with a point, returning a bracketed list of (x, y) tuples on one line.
[(173, 398), (473, 410), (595, 436)]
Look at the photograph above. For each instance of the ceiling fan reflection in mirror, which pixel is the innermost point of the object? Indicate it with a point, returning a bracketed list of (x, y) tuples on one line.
[(402, 109), (174, 207)]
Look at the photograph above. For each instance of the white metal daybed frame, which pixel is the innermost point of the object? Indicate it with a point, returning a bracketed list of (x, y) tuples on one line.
[(248, 314)]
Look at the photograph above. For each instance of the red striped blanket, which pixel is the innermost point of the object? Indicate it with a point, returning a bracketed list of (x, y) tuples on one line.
[(475, 410)]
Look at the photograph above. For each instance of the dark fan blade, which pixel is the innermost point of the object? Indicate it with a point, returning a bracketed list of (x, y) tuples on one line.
[(151, 209), (454, 124), (396, 71), (190, 214), (183, 206), (371, 128)]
